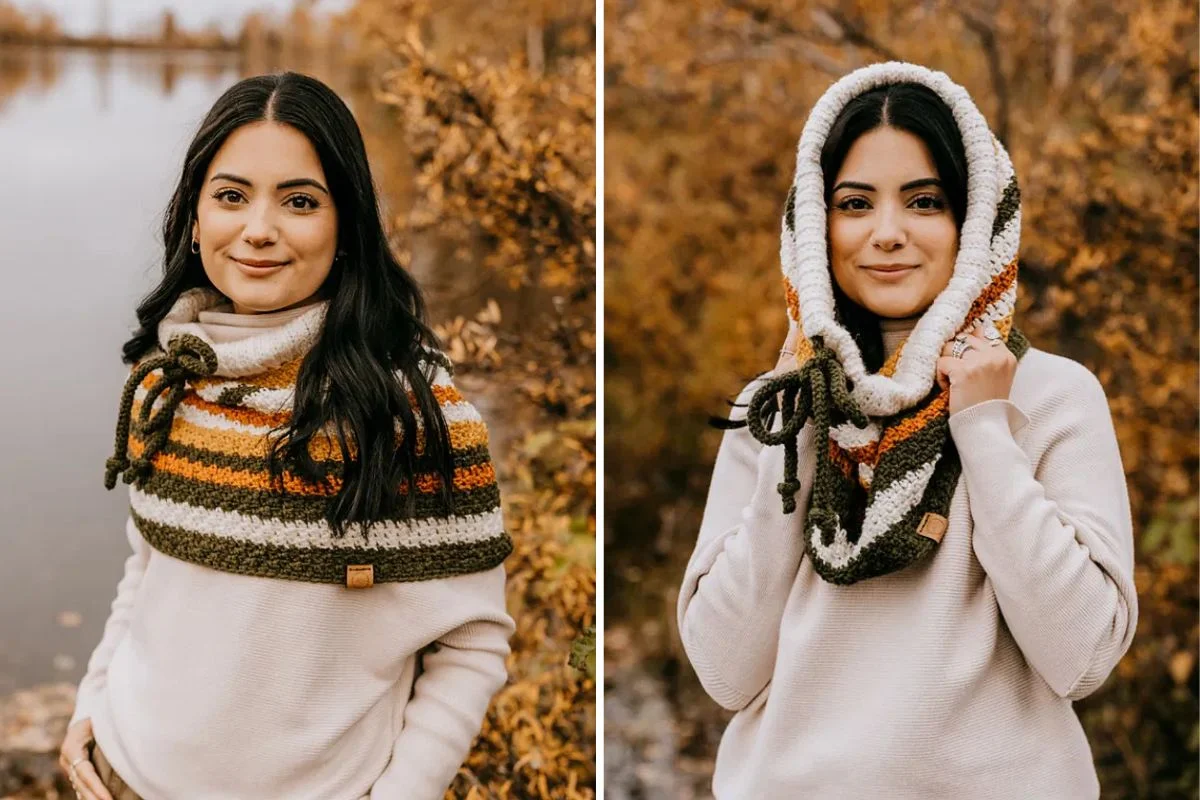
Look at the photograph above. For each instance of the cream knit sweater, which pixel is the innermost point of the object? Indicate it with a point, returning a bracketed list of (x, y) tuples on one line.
[(209, 685), (950, 679)]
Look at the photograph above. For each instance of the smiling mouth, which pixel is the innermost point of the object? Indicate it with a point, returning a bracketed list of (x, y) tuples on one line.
[(260, 263), (890, 267)]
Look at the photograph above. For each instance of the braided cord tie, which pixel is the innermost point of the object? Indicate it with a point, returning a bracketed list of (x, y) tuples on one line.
[(811, 391), (187, 356)]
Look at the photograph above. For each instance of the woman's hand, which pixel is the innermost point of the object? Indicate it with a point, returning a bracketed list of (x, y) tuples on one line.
[(84, 780), (787, 356), (985, 371)]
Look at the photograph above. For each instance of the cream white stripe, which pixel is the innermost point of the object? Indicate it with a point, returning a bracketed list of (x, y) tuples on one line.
[(849, 436), (242, 527), (268, 401), (275, 400), (453, 412)]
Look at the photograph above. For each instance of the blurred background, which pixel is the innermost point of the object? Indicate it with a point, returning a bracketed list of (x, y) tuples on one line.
[(479, 119), (1096, 100)]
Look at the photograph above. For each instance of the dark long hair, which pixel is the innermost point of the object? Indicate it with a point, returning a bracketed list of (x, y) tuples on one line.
[(918, 110), (373, 347)]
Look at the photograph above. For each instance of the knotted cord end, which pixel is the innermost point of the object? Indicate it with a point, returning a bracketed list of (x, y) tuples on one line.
[(787, 490), (137, 471), (112, 468)]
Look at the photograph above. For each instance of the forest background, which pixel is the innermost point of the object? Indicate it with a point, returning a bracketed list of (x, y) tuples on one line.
[(479, 119), (704, 102)]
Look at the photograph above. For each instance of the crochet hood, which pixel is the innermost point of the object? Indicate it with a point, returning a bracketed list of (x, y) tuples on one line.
[(984, 277)]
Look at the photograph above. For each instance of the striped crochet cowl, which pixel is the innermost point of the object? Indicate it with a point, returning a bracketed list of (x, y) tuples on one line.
[(886, 466), (196, 423)]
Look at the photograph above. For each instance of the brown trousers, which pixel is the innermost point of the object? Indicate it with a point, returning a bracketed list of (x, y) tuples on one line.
[(109, 777)]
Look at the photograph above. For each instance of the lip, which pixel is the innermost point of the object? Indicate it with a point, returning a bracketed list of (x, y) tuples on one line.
[(890, 272), (889, 267), (259, 263)]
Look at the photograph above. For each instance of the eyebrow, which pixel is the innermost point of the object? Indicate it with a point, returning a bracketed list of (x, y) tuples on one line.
[(866, 187), (294, 182)]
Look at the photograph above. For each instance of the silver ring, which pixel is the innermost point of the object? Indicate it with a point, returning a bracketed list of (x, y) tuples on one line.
[(960, 347), (79, 760)]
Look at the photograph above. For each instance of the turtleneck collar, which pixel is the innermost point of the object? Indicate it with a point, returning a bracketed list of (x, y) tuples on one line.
[(895, 331), (223, 325), (245, 344)]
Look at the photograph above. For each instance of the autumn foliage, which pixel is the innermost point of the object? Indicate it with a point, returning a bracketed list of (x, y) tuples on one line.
[(488, 111), (1097, 104)]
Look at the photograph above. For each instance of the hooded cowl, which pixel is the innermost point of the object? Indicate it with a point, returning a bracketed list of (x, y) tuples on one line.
[(886, 464)]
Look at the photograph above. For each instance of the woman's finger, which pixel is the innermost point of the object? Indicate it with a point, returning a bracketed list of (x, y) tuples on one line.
[(793, 337), (948, 366), (89, 780)]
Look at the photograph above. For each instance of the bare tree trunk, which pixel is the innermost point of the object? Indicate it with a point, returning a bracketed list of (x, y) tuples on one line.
[(1061, 33), (535, 47), (982, 27)]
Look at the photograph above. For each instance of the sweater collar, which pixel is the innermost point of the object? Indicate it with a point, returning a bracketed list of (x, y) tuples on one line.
[(280, 337), (895, 332)]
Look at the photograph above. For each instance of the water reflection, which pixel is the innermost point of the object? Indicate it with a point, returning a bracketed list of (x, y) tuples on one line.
[(90, 145)]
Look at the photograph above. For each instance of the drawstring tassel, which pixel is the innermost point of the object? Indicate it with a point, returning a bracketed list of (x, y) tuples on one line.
[(810, 391), (187, 356)]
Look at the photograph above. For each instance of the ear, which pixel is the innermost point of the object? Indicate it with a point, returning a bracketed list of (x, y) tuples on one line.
[(195, 230)]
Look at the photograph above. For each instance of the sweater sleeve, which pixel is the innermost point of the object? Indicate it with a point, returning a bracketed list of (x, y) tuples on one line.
[(116, 626), (742, 570), (461, 672), (1055, 539)]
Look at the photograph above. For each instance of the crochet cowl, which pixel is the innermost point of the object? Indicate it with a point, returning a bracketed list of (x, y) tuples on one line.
[(886, 465), (193, 441)]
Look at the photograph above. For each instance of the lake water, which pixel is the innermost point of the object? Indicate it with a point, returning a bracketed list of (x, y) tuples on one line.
[(90, 148)]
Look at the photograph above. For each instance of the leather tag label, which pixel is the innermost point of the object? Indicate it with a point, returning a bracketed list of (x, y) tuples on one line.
[(360, 576), (933, 526)]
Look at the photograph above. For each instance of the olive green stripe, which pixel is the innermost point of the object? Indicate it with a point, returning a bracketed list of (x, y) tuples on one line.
[(1007, 208), (301, 508), (914, 452), (321, 565), (233, 396)]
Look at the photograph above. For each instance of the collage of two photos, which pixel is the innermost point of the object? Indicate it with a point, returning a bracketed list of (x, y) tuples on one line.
[(307, 495), (637, 400)]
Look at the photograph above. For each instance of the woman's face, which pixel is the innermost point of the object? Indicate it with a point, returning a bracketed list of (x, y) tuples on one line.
[(892, 235), (265, 220)]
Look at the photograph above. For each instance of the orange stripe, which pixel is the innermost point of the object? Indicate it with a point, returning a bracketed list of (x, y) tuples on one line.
[(992, 292), (838, 457), (465, 478), (793, 300), (865, 454), (280, 377)]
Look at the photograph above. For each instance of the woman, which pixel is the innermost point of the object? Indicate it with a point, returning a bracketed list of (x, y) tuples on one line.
[(314, 607), (950, 564)]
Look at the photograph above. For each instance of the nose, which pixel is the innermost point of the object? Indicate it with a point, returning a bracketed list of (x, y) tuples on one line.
[(260, 230), (889, 233)]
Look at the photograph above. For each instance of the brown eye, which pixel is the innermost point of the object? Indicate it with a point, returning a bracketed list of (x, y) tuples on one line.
[(227, 196), (929, 202), (854, 204), (301, 202)]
